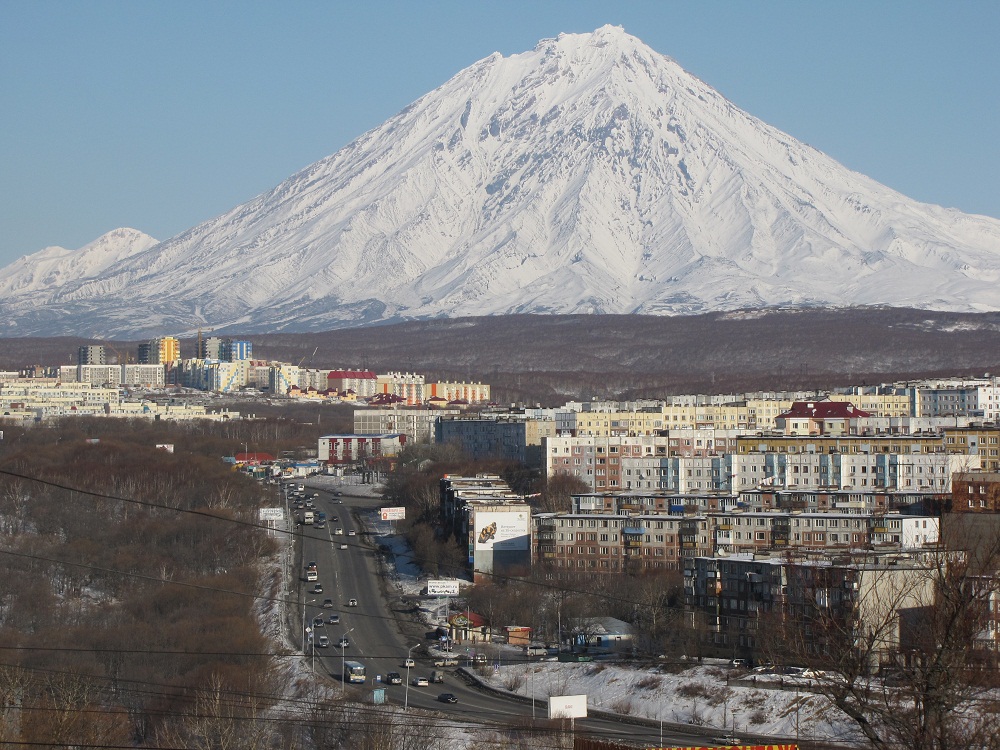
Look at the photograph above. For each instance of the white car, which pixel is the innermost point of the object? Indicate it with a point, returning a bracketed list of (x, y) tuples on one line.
[(420, 682), (352, 532), (343, 546), (338, 530), (409, 663), (352, 602)]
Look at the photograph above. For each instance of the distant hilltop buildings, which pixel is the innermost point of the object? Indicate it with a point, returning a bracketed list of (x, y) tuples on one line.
[(222, 365)]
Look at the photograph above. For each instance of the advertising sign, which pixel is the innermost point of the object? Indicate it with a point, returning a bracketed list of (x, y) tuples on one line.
[(567, 706), (502, 531), (271, 514), (392, 514), (439, 587), (716, 746)]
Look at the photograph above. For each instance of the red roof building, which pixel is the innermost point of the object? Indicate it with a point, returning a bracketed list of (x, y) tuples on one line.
[(819, 418)]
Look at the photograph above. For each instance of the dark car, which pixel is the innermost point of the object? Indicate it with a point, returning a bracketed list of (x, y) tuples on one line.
[(333, 619), (394, 678), (328, 603), (448, 698), (318, 588), (337, 493), (318, 621)]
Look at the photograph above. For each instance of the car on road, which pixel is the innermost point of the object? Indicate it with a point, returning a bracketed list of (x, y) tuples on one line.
[(343, 546), (333, 619), (318, 588), (337, 493), (335, 519), (409, 663), (393, 678), (420, 682), (323, 642), (448, 698), (338, 530), (352, 602), (319, 524), (344, 642), (352, 532), (728, 740), (446, 661), (327, 603), (318, 621)]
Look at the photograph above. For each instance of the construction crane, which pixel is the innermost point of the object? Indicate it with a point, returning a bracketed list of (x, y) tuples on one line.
[(308, 355)]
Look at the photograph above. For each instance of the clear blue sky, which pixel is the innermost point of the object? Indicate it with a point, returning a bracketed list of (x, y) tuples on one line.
[(158, 115)]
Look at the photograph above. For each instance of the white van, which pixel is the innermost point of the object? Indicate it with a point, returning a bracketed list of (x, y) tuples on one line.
[(535, 651)]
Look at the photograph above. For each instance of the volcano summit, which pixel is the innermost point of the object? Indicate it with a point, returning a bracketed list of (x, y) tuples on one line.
[(589, 175)]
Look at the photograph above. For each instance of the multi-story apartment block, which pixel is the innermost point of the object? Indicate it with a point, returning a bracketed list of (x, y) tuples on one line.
[(91, 355), (982, 441), (491, 521), (408, 386), (281, 376), (879, 401), (361, 382), (161, 351), (318, 380), (976, 492), (110, 375), (416, 424), (818, 418), (589, 543), (211, 347), (146, 376), (743, 601), (237, 350), (473, 393), (508, 437)]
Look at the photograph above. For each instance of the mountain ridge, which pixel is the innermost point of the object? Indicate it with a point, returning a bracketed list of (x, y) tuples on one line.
[(590, 174)]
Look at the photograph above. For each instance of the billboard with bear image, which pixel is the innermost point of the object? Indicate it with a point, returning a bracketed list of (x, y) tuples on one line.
[(502, 531)]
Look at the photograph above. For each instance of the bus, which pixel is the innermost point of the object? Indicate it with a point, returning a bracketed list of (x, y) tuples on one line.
[(354, 671)]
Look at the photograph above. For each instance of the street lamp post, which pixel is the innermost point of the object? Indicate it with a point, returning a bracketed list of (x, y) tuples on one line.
[(343, 664), (406, 692)]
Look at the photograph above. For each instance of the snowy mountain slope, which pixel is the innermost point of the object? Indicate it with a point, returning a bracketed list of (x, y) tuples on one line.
[(54, 267), (588, 175)]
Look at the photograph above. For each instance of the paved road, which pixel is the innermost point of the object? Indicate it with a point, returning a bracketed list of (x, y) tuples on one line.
[(381, 633)]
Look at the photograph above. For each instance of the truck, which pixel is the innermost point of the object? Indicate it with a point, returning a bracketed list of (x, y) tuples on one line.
[(312, 573), (308, 517)]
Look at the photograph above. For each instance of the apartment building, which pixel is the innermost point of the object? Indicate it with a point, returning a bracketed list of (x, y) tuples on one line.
[(473, 393), (742, 602), (361, 382), (407, 386), (507, 437), (976, 492), (491, 522), (417, 424)]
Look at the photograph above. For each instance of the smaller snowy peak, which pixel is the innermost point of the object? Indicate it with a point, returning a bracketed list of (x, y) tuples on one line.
[(53, 267)]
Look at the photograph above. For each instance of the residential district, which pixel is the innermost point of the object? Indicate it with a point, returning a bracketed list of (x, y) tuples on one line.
[(758, 500)]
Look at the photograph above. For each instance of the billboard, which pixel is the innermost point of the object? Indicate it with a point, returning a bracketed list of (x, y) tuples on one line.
[(271, 514), (714, 746), (496, 530), (439, 587), (392, 514), (567, 706)]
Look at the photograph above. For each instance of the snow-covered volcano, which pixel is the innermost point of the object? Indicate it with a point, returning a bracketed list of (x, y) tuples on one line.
[(591, 174)]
